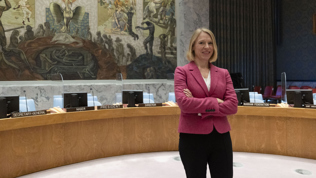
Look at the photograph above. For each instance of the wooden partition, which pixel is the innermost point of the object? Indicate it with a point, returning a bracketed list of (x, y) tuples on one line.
[(32, 144), (281, 131)]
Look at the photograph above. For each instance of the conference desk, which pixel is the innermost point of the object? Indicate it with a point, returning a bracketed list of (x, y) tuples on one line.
[(32, 144)]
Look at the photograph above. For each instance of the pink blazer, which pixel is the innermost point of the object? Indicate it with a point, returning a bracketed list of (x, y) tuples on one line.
[(204, 102)]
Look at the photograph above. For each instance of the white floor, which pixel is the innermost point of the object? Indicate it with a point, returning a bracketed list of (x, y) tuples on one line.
[(168, 165)]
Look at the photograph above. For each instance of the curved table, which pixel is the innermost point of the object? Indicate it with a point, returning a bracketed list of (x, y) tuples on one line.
[(32, 144)]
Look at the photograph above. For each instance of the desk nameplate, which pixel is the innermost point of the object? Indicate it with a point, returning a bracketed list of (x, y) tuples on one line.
[(149, 104), (31, 113), (110, 106), (310, 106), (257, 104), (88, 108)]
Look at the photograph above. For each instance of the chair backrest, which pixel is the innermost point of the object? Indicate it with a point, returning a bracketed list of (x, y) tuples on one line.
[(306, 87), (268, 91), (257, 89), (279, 91), (294, 87)]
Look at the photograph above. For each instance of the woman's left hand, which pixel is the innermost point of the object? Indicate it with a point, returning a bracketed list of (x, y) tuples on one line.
[(187, 93)]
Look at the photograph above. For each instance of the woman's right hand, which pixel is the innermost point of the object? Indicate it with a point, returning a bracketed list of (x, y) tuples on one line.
[(219, 101), (187, 93)]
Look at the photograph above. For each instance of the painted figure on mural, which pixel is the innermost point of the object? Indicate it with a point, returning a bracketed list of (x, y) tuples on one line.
[(14, 39), (67, 15), (8, 62), (119, 51), (88, 34), (99, 38), (101, 2), (109, 42), (3, 40), (150, 38), (39, 32), (29, 34), (132, 52), (118, 3), (162, 11), (48, 31), (110, 6), (105, 38), (163, 43), (150, 10), (119, 24), (150, 73), (130, 14), (171, 30), (26, 12), (21, 38)]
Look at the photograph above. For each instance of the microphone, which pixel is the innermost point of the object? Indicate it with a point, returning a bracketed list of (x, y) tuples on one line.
[(27, 110), (148, 93), (92, 96), (254, 94)]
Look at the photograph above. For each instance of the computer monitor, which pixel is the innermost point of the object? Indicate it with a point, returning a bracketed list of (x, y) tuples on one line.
[(242, 95), (8, 105), (132, 97), (299, 97), (72, 100)]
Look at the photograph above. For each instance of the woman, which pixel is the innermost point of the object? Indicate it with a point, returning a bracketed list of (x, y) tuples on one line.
[(205, 95)]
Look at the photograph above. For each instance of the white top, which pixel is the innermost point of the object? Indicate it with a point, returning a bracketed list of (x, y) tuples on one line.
[(208, 80)]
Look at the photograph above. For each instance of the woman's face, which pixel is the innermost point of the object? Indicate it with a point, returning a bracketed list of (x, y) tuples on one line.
[(203, 47)]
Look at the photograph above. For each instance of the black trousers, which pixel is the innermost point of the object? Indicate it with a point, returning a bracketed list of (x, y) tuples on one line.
[(214, 149)]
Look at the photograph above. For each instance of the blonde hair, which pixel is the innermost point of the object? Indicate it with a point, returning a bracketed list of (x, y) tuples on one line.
[(197, 32)]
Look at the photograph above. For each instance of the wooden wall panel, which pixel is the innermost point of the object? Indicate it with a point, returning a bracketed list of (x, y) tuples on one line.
[(94, 139), (301, 137), (258, 134), (29, 150)]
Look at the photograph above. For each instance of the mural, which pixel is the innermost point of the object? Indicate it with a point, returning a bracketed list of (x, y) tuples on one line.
[(22, 13), (71, 42), (161, 14), (117, 17)]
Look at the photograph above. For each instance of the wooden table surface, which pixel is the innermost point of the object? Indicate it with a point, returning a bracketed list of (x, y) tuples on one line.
[(32, 144)]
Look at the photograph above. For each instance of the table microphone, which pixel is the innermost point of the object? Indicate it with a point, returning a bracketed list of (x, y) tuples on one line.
[(92, 96), (148, 93), (27, 110)]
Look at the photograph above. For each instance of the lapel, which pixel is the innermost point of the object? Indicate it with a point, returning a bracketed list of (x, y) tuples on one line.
[(195, 72), (214, 78)]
